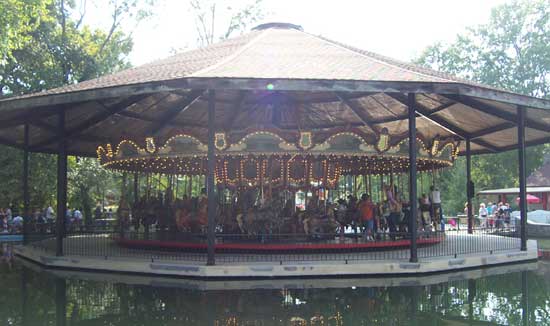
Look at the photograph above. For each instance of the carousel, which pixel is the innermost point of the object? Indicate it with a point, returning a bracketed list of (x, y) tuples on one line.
[(259, 138), (259, 176)]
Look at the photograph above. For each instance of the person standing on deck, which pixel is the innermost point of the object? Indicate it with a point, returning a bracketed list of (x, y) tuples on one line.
[(366, 209), (435, 199), (393, 217)]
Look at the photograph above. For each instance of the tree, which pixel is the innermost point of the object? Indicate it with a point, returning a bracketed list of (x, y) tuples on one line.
[(46, 44), (511, 51), (210, 14), (17, 20), (62, 50), (88, 182)]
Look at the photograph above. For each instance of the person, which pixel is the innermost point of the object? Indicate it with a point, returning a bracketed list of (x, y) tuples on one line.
[(97, 212), (424, 203), (394, 211), (17, 223), (9, 213), (110, 213), (341, 216), (483, 214), (366, 211), (494, 209), (351, 217), (77, 217), (68, 219), (435, 199), (4, 225), (507, 215), (49, 215)]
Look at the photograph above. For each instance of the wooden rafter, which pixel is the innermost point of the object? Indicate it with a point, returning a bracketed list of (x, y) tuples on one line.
[(491, 110), (235, 110), (363, 116), (493, 129), (140, 117), (94, 120), (439, 108), (424, 111), (46, 126), (179, 107)]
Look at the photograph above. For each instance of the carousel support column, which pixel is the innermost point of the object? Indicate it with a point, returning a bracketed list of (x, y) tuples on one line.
[(210, 178), (469, 187), (136, 187), (370, 186), (61, 184), (26, 198), (412, 174), (522, 184)]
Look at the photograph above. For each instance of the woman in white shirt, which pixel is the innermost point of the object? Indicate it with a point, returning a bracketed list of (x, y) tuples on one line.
[(483, 214)]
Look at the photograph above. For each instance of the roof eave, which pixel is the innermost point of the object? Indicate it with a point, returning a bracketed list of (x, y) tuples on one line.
[(314, 85)]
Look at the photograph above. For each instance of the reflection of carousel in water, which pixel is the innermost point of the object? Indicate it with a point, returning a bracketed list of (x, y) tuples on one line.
[(258, 174)]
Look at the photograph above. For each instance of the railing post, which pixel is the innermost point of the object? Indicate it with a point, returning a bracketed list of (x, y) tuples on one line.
[(411, 103), (61, 184), (210, 178), (522, 184), (469, 188)]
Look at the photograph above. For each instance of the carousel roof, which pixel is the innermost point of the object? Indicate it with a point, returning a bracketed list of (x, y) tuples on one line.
[(275, 77)]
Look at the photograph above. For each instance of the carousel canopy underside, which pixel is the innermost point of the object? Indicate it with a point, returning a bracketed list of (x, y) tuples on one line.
[(275, 78)]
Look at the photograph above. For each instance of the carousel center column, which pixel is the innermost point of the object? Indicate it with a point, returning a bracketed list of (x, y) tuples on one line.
[(211, 236)]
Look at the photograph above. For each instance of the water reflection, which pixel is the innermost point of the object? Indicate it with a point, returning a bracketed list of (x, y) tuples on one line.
[(31, 296)]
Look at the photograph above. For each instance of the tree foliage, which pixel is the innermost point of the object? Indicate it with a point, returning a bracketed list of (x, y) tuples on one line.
[(217, 19), (17, 20), (46, 44), (61, 50), (512, 52)]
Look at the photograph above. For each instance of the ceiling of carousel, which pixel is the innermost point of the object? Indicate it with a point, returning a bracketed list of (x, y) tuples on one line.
[(276, 77)]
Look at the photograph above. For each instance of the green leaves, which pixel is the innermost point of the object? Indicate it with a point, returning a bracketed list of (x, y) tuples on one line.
[(511, 51), (54, 48)]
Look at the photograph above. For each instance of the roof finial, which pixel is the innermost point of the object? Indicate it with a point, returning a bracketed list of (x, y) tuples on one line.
[(277, 25)]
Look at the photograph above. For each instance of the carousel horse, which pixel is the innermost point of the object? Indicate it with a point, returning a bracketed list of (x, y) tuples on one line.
[(202, 213), (123, 214), (260, 219), (183, 217)]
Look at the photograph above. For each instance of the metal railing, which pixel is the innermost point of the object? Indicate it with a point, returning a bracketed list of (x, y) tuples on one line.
[(170, 245)]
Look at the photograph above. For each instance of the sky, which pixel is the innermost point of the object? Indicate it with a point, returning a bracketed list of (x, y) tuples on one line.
[(396, 28)]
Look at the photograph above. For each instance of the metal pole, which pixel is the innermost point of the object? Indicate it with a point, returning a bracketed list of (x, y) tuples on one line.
[(136, 187), (522, 184), (26, 198), (211, 169), (61, 184), (469, 188), (412, 173)]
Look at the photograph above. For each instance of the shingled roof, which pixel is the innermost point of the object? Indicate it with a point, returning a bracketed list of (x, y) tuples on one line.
[(315, 83)]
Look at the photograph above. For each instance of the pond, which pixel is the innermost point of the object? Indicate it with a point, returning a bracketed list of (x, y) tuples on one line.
[(508, 295)]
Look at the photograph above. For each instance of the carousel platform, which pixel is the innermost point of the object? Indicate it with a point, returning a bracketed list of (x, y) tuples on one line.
[(259, 245), (100, 253)]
